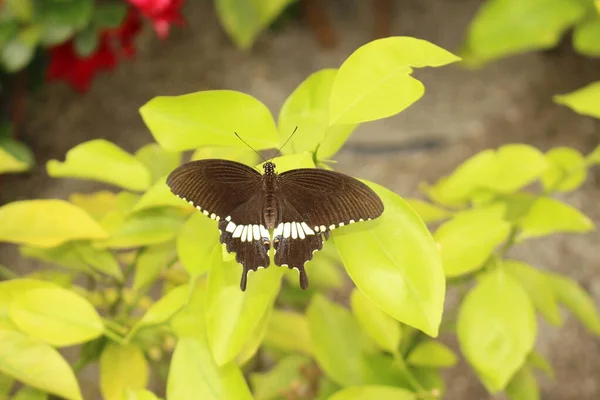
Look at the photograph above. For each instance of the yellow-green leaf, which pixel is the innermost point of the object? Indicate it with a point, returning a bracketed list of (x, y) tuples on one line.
[(209, 118), (577, 300), (586, 34), (375, 82), (547, 216), (496, 328), (103, 161), (374, 392), (407, 281), (279, 379), (427, 211), (431, 353), (14, 156), (196, 241), (523, 386), (585, 101), (538, 287), (380, 326), (158, 161), (506, 27), (151, 262), (288, 331), (37, 364), (10, 290), (141, 394), (57, 316), (538, 361), (567, 169), (243, 155), (195, 375), (46, 223), (96, 204), (122, 367), (28, 393), (468, 239), (159, 195)]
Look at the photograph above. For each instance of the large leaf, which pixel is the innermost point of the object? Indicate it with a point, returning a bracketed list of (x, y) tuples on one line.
[(375, 82), (496, 328), (586, 34), (383, 329), (196, 241), (243, 20), (157, 160), (288, 331), (57, 316), (243, 155), (506, 27), (430, 353), (14, 156), (37, 364), (10, 290), (209, 118), (338, 341), (195, 375), (232, 315), (96, 204), (427, 211), (150, 263), (103, 161), (397, 264), (308, 109), (585, 101), (374, 392), (547, 216), (159, 195), (46, 223), (538, 287), (122, 367), (577, 300), (468, 239), (567, 169)]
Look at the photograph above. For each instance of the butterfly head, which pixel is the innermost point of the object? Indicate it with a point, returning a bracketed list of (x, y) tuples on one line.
[(269, 168)]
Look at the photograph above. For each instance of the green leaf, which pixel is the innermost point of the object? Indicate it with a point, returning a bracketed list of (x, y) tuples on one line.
[(405, 281), (189, 321), (430, 353), (383, 329), (46, 223), (232, 315), (196, 241), (586, 34), (109, 14), (150, 263), (243, 155), (597, 4), (338, 341), (538, 287), (255, 340), (195, 375), (375, 82), (244, 20), (584, 101), (144, 228), (6, 385), (21, 9), (65, 255), (53, 34), (209, 118), (159, 195), (141, 394), (75, 13), (547, 216), (577, 300), (57, 316), (506, 27), (506, 170), (10, 290), (37, 364), (101, 260), (594, 156), (27, 393), (14, 156), (122, 367), (307, 108), (496, 328), (427, 211), (103, 161), (468, 239), (288, 331), (158, 161), (567, 169), (538, 361), (523, 386), (96, 204), (278, 380), (373, 392), (161, 311), (19, 50), (86, 42)]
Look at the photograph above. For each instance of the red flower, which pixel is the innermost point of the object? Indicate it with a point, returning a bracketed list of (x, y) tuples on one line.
[(66, 64), (163, 13)]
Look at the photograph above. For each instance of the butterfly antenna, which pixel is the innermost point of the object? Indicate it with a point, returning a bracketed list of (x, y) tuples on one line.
[(288, 139), (252, 148)]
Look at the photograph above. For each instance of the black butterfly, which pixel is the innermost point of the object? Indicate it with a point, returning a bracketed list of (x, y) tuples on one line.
[(300, 206)]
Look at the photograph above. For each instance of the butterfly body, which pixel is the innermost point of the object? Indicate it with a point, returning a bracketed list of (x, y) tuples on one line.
[(292, 212)]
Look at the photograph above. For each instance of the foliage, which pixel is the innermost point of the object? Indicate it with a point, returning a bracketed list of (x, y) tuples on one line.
[(203, 336)]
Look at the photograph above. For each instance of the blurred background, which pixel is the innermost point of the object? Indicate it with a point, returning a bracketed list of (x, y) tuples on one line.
[(52, 101)]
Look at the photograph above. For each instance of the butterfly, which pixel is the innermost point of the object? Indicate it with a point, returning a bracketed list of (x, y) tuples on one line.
[(293, 212)]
